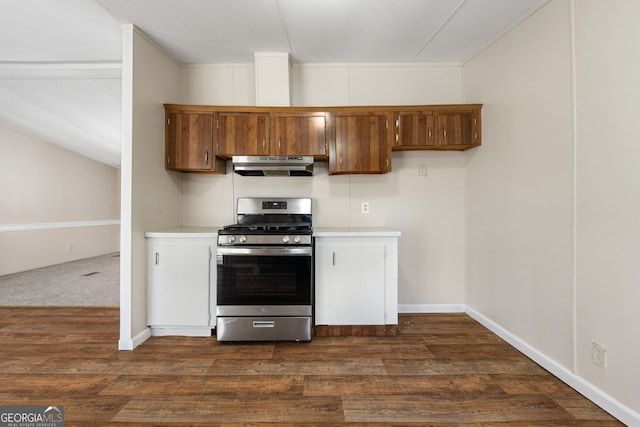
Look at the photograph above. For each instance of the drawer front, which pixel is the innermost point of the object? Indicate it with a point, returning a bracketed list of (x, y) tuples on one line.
[(263, 328)]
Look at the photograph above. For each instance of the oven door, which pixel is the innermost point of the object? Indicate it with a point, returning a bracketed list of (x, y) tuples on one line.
[(264, 276)]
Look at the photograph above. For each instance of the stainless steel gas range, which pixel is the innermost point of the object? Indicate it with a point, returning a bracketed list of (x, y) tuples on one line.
[(265, 272)]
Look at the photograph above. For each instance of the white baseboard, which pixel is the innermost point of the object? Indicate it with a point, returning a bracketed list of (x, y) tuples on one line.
[(131, 343), (597, 396), (125, 344), (431, 308), (198, 331)]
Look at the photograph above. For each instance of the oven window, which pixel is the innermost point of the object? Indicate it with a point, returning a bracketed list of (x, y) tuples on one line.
[(264, 280)]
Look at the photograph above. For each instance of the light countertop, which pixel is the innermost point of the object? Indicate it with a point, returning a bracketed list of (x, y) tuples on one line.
[(317, 232), (355, 232), (184, 232)]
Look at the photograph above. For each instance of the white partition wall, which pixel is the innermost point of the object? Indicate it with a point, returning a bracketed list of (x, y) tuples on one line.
[(151, 196)]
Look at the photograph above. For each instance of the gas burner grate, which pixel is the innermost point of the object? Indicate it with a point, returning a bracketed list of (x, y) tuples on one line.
[(268, 227)]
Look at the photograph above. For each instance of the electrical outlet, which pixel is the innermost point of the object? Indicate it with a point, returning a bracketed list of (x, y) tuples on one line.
[(598, 354), (422, 169), (365, 207)]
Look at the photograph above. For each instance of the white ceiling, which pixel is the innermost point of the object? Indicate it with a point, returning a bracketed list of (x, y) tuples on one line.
[(60, 74), (60, 60)]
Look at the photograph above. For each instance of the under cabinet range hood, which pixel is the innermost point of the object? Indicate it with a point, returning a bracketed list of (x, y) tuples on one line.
[(273, 165)]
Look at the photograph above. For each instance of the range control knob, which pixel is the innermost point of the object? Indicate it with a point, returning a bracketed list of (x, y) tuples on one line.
[(296, 239), (243, 239), (285, 239), (232, 239)]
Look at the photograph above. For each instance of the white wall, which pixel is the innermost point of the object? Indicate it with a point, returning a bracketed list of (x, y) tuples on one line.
[(520, 185), (151, 197), (608, 193), (230, 84), (57, 206), (552, 205), (429, 211)]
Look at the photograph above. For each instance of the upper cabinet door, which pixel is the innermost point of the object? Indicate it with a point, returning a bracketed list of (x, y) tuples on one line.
[(299, 134), (438, 129), (189, 142), (361, 144), (458, 130), (415, 130), (242, 134)]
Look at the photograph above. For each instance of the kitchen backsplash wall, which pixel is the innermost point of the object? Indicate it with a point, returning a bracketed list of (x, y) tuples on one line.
[(429, 211)]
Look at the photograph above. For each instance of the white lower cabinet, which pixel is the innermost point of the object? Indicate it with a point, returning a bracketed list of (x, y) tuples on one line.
[(356, 279), (181, 285)]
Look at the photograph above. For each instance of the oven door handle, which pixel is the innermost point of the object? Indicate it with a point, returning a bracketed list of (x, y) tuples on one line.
[(262, 251)]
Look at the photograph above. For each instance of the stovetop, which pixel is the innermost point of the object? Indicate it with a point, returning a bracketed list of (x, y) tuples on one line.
[(284, 221), (268, 228)]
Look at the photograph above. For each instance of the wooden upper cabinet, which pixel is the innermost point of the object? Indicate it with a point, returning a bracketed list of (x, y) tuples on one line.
[(242, 134), (355, 140), (299, 134), (189, 143), (415, 130), (361, 145), (458, 130), (447, 129)]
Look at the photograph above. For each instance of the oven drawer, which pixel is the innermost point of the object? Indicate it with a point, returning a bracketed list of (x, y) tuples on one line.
[(263, 328)]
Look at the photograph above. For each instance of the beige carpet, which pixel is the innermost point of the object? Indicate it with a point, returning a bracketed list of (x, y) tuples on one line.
[(87, 282)]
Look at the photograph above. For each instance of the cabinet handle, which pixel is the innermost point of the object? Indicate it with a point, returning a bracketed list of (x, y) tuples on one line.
[(279, 145), (397, 137), (206, 157), (157, 258), (264, 323), (168, 160), (387, 163), (334, 258), (429, 133), (340, 160), (444, 132), (264, 143)]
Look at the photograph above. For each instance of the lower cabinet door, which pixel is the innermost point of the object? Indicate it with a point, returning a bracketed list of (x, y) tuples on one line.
[(351, 285), (179, 285)]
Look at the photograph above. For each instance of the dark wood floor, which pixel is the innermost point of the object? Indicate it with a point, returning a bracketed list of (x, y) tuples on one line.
[(441, 370)]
